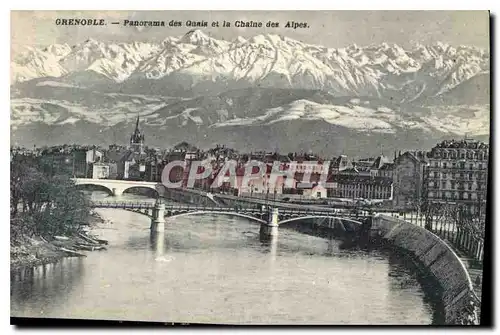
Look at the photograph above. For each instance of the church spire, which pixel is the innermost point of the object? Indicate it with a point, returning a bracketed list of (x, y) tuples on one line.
[(137, 124), (137, 138)]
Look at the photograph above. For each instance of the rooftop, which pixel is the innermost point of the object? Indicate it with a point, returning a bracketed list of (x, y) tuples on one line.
[(463, 144)]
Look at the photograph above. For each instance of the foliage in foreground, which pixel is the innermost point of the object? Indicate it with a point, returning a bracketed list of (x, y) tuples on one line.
[(42, 203)]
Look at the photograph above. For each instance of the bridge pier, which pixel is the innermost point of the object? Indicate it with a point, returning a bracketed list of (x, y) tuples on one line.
[(270, 228), (158, 220), (117, 192)]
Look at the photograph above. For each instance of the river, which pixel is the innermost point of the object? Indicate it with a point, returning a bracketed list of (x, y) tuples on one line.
[(214, 269)]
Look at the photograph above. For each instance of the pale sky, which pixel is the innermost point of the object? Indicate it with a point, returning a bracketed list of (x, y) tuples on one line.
[(329, 28)]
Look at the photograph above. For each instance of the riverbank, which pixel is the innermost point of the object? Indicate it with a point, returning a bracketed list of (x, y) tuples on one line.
[(438, 260), (34, 251)]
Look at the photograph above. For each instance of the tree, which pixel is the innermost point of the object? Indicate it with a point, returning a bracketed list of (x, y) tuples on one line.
[(434, 213), (44, 204)]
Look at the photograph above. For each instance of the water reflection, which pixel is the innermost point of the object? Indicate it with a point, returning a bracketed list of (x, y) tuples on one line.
[(330, 247), (407, 276), (271, 244), (45, 285), (157, 240)]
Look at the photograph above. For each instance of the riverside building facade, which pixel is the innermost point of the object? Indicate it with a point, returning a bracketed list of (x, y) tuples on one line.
[(457, 173)]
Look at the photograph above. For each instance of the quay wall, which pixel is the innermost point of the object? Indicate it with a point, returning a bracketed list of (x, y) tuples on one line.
[(437, 259)]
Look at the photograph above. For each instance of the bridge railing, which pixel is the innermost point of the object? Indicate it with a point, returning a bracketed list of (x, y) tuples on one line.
[(125, 204), (208, 208)]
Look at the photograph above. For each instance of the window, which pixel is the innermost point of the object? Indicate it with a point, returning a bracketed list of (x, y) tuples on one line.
[(471, 166), (318, 194), (444, 175), (454, 165), (470, 175), (435, 175), (444, 165), (443, 184), (436, 164), (480, 166)]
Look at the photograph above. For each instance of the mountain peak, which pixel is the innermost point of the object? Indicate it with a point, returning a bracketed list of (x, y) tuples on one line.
[(239, 40), (91, 41), (194, 36), (170, 39)]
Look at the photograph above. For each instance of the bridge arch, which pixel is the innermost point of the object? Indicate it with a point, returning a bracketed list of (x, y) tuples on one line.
[(96, 187), (246, 216), (157, 193)]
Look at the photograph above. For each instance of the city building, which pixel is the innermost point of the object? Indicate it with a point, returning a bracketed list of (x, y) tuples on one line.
[(381, 167), (457, 173), (386, 170), (368, 178), (154, 168), (360, 186), (93, 155), (132, 166), (81, 167), (100, 171), (408, 180), (340, 164), (315, 191)]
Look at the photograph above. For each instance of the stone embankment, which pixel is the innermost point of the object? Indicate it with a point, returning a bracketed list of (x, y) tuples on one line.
[(437, 259)]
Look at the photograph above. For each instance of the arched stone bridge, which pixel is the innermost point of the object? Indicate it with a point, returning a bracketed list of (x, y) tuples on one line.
[(269, 218), (118, 187)]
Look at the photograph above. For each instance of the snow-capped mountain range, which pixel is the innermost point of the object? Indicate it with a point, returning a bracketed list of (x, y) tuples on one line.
[(264, 59), (207, 82)]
